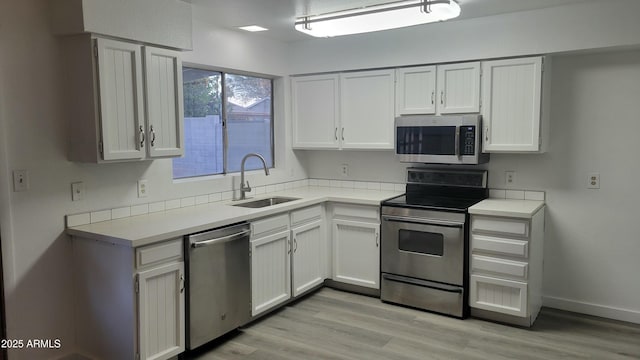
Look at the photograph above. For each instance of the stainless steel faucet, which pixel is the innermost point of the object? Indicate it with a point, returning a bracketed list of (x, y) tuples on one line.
[(245, 189)]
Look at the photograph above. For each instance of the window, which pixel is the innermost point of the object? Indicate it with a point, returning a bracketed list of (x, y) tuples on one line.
[(226, 116)]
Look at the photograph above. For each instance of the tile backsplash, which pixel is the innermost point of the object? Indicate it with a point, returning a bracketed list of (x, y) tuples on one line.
[(141, 209)]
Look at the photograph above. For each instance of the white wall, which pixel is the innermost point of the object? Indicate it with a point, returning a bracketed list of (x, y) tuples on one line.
[(592, 244), (598, 24), (33, 136)]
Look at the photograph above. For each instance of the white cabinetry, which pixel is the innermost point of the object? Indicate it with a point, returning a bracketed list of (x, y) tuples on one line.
[(356, 245), (441, 89), (506, 268), (125, 100), (286, 260), (270, 263), (130, 301), (512, 113), (348, 110), (316, 112), (366, 109)]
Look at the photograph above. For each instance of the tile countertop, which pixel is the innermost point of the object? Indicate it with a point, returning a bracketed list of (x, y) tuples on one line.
[(147, 229), (507, 207)]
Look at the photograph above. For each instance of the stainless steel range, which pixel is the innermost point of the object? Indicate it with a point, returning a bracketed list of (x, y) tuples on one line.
[(425, 238)]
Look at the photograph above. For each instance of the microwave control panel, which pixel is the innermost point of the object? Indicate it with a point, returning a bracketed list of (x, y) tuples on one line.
[(467, 140)]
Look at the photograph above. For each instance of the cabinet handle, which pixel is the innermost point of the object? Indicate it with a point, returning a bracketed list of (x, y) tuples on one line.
[(336, 133), (153, 136), (441, 97), (486, 134), (433, 95), (181, 283), (342, 134), (141, 136), (289, 246), (377, 242), (295, 245)]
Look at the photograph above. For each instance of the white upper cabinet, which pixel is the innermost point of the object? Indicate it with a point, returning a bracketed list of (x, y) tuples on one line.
[(125, 100), (458, 88), (349, 110), (367, 109), (512, 102), (416, 90), (121, 100), (165, 118), (315, 102), (441, 89)]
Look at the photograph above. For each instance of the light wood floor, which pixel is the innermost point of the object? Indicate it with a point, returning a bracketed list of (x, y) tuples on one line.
[(331, 324)]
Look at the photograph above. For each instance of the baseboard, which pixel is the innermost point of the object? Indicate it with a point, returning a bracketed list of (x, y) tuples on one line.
[(608, 312)]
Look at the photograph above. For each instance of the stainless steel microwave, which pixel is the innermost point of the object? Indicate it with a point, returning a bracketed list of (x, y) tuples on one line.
[(448, 139)]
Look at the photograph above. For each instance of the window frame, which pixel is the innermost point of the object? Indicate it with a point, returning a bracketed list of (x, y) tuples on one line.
[(223, 115)]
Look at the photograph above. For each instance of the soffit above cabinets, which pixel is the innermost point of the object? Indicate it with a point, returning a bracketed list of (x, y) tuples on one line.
[(279, 15)]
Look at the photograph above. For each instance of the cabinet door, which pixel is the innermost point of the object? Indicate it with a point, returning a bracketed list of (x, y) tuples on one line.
[(367, 109), (356, 253), (416, 90), (163, 84), (315, 102), (161, 311), (459, 88), (307, 259), (511, 97), (270, 271), (121, 100)]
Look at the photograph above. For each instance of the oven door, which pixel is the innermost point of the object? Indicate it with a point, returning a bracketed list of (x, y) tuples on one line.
[(424, 248)]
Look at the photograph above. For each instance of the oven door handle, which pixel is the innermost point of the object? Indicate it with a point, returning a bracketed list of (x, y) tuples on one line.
[(423, 283), (434, 222)]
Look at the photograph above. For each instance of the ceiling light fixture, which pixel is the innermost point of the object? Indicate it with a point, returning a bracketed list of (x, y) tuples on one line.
[(253, 28), (378, 17)]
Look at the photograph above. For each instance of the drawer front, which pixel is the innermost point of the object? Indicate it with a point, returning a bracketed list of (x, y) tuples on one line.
[(501, 246), (500, 267), (357, 212), (270, 225), (499, 295), (306, 215), (513, 227), (159, 253)]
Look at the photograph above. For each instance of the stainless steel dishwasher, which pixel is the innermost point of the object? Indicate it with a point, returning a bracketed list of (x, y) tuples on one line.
[(219, 283)]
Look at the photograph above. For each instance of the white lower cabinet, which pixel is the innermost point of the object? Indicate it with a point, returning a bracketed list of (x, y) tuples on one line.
[(161, 311), (307, 264), (270, 271), (506, 268), (287, 257), (356, 245), (130, 301)]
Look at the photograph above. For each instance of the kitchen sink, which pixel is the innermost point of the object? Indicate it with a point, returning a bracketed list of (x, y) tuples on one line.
[(266, 202)]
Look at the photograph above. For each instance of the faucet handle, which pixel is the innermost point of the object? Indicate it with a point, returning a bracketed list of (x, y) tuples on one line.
[(248, 187)]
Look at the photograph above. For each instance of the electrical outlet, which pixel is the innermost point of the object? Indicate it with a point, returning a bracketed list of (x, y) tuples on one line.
[(344, 170), (143, 188), (20, 180), (77, 191), (594, 181), (509, 177)]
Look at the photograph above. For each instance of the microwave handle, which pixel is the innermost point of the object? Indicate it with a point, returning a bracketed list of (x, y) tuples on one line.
[(457, 141)]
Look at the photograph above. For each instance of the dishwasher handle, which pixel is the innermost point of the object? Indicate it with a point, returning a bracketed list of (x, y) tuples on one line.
[(220, 240)]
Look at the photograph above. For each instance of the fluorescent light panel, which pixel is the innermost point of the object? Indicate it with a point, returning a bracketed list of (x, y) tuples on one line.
[(378, 17), (253, 28)]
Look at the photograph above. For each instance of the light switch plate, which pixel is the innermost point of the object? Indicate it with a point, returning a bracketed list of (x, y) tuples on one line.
[(20, 180), (77, 191)]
